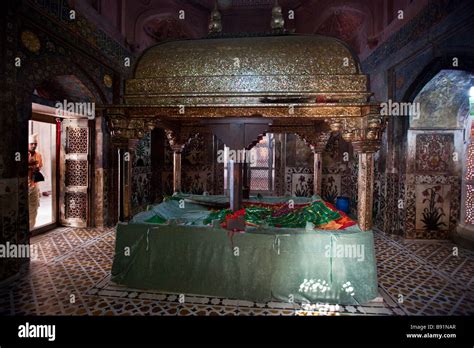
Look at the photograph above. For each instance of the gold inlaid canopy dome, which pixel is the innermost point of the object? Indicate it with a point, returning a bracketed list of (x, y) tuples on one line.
[(256, 56), (246, 70)]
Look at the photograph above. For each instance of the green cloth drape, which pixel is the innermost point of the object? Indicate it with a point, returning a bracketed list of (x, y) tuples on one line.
[(268, 264)]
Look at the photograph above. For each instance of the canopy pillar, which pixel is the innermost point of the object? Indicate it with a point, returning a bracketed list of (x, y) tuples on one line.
[(176, 171), (127, 178), (122, 179), (235, 185), (317, 146), (318, 172), (246, 180), (178, 138), (317, 142), (120, 145), (177, 149), (365, 182), (365, 134)]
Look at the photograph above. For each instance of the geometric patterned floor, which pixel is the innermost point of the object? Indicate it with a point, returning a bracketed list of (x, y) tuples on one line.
[(71, 277), (430, 277), (209, 305)]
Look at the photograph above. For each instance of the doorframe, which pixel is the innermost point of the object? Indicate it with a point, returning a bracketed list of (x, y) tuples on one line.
[(91, 176), (47, 114)]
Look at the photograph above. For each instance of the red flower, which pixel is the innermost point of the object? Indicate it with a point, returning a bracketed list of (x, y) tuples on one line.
[(235, 215), (240, 212)]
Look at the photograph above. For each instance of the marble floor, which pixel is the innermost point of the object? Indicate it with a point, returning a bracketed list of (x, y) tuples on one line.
[(70, 276)]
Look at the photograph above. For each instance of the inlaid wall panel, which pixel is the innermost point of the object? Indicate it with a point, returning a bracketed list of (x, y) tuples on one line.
[(76, 205), (77, 140), (76, 173)]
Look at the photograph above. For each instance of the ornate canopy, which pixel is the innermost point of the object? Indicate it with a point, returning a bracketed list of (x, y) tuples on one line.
[(247, 71), (289, 80), (242, 87)]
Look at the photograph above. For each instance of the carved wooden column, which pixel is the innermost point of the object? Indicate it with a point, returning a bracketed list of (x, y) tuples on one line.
[(318, 167), (121, 132), (127, 175), (318, 173), (176, 171), (365, 134), (365, 183), (125, 131), (177, 140), (235, 185), (118, 180), (113, 210), (245, 180)]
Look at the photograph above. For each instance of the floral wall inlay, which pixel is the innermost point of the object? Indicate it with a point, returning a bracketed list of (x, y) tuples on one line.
[(433, 207), (434, 152)]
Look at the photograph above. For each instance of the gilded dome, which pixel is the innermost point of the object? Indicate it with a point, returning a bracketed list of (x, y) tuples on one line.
[(264, 66), (268, 55)]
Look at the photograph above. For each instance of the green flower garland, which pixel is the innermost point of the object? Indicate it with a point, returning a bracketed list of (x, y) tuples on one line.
[(316, 212)]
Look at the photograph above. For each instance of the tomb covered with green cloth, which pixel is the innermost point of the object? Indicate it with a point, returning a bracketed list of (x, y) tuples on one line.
[(177, 252)]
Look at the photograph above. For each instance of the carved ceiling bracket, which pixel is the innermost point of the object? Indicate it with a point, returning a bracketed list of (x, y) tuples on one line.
[(317, 141), (310, 134), (174, 140), (179, 138), (349, 127), (368, 128), (370, 137), (255, 141)]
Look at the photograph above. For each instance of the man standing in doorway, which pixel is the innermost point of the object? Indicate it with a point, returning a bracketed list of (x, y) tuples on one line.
[(35, 163)]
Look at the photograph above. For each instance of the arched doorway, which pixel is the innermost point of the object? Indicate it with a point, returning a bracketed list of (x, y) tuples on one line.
[(61, 83), (437, 137), (63, 113)]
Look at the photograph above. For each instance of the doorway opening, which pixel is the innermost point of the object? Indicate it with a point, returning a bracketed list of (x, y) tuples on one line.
[(42, 173), (62, 153)]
